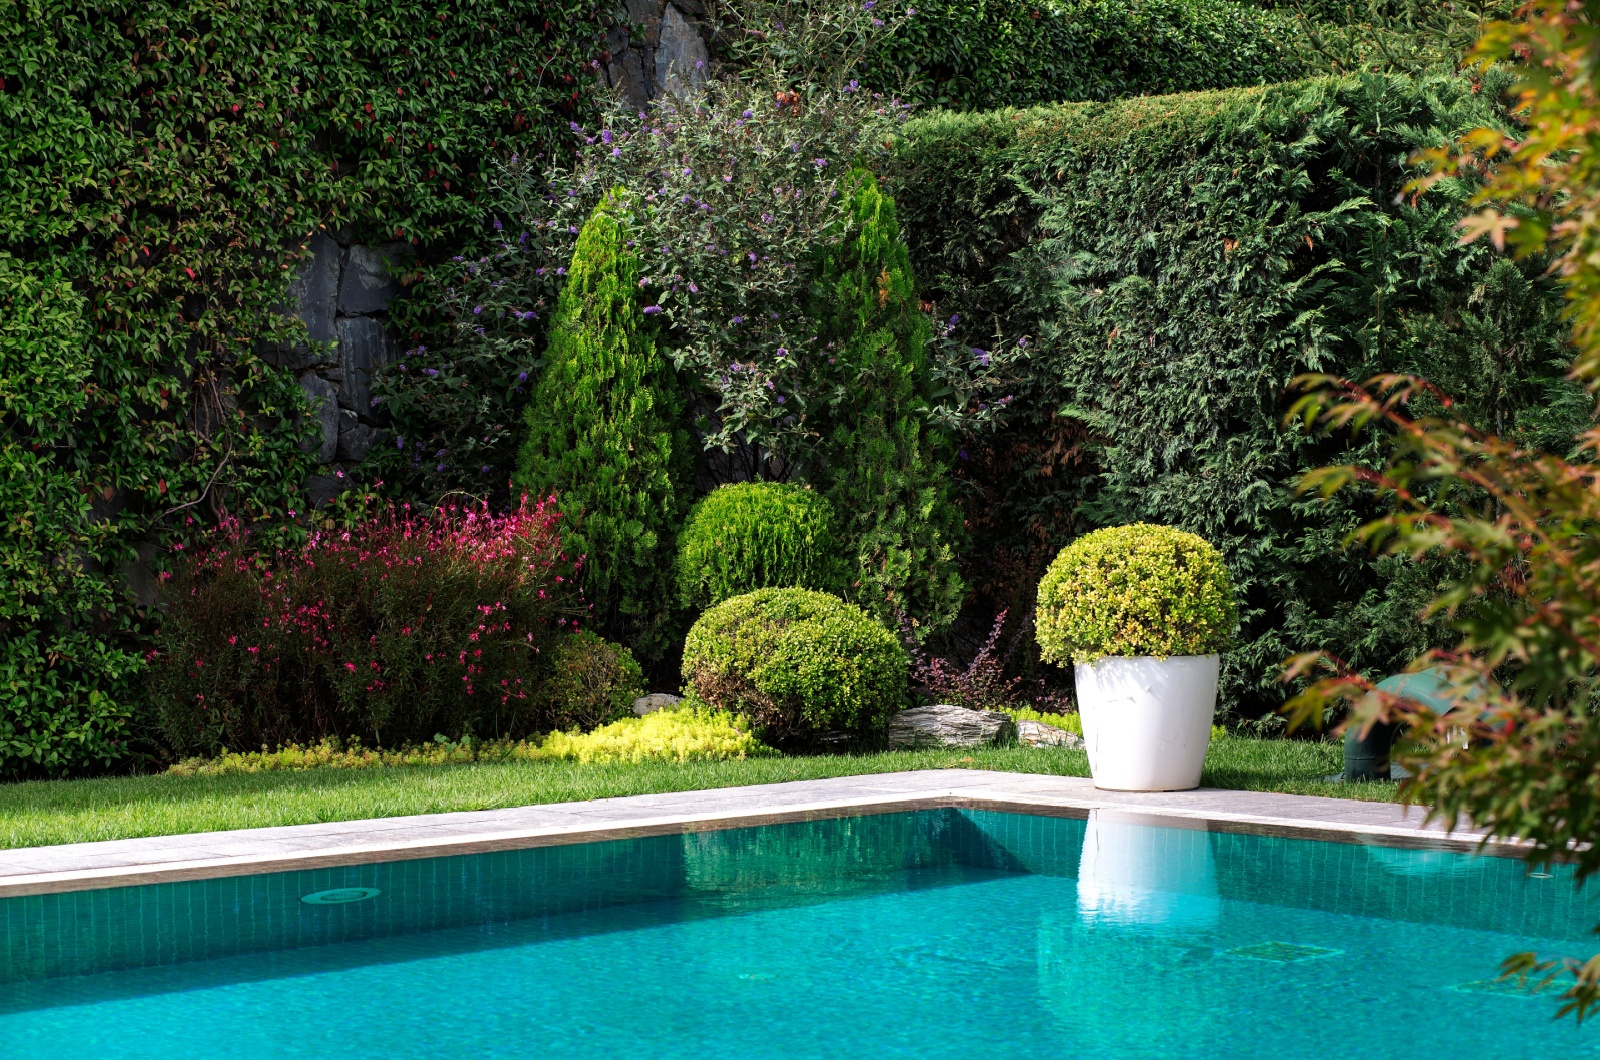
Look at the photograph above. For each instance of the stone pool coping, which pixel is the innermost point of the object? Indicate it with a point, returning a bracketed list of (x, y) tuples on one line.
[(206, 855)]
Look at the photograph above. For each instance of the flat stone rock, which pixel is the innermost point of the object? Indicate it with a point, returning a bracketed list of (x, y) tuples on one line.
[(369, 284), (325, 413), (655, 701), (945, 725), (1038, 734)]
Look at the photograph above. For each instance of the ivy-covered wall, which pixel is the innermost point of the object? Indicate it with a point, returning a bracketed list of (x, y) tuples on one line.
[(1171, 264), (162, 165)]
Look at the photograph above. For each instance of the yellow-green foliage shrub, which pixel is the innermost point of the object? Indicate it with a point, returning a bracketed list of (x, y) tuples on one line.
[(800, 664), (592, 682), (695, 732), (757, 535), (692, 733), (1135, 590)]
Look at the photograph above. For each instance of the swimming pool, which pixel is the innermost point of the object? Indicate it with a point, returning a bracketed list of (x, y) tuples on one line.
[(936, 933)]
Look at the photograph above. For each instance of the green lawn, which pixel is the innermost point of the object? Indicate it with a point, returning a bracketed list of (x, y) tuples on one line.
[(38, 813)]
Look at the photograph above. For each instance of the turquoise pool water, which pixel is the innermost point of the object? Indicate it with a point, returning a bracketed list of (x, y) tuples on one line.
[(947, 933)]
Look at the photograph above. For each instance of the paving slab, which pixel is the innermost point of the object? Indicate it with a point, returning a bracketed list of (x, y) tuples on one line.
[(158, 859)]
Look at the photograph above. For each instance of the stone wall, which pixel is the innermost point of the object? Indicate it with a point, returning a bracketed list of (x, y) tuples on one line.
[(342, 293)]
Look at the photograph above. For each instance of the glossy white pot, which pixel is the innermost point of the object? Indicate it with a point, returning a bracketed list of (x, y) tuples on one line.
[(1147, 721)]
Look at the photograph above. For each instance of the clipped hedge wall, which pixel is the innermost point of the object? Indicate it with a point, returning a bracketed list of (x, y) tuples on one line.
[(975, 54), (161, 162), (1174, 262)]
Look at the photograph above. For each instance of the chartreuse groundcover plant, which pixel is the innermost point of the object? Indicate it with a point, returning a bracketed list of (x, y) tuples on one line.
[(692, 733), (757, 535), (1135, 590), (800, 664)]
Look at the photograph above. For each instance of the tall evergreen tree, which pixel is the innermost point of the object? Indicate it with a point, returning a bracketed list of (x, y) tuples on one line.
[(605, 433), (883, 463)]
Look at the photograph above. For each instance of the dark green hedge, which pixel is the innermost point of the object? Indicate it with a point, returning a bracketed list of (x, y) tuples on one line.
[(1174, 262), (161, 161), (973, 54)]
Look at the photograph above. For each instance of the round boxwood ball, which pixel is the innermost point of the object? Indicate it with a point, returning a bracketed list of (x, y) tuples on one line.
[(757, 535), (1135, 590), (800, 664)]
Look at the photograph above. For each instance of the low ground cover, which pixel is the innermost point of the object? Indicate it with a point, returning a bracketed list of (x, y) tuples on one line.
[(40, 813)]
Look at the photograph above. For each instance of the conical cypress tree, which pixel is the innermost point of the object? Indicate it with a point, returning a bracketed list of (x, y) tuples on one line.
[(605, 433), (884, 465)]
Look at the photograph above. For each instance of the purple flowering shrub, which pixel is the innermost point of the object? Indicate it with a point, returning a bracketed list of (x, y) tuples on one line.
[(739, 194), (405, 627), (986, 681)]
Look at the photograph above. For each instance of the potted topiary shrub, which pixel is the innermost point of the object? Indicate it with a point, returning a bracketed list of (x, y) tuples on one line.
[(1142, 613)]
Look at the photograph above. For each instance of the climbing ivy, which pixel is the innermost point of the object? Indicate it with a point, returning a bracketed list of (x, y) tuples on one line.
[(162, 162)]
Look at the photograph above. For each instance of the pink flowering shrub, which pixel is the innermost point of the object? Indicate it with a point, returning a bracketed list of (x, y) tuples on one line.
[(406, 627)]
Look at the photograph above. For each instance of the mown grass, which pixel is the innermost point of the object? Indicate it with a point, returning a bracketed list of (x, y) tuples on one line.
[(39, 813)]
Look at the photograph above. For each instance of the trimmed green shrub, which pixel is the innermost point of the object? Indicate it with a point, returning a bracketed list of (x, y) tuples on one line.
[(976, 54), (604, 435), (1135, 590), (757, 535), (1172, 263), (802, 665), (592, 682), (883, 463)]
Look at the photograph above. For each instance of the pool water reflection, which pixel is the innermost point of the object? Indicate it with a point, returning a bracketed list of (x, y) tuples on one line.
[(940, 933)]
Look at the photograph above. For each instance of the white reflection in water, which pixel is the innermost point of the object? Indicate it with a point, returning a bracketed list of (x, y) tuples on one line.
[(1133, 874)]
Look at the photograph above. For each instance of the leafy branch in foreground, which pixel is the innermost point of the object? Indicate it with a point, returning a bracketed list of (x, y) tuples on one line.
[(1518, 750)]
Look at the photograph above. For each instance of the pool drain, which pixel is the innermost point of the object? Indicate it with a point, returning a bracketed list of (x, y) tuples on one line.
[(1281, 952), (341, 896), (1514, 987)]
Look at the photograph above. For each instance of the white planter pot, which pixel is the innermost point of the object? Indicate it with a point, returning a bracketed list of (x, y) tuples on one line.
[(1147, 721)]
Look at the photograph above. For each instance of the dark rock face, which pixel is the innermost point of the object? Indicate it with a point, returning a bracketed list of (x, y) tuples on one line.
[(314, 292), (335, 293), (355, 438), (364, 346), (682, 58), (369, 284), (325, 406), (671, 54), (944, 725), (323, 488)]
